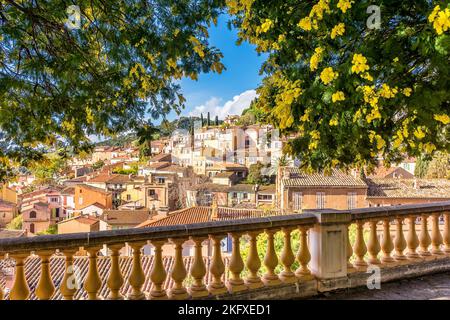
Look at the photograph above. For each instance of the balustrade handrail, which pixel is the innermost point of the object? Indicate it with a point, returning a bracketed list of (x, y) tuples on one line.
[(99, 238), (400, 210)]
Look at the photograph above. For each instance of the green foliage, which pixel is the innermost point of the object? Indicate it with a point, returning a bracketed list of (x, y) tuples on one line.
[(51, 230), (134, 170), (16, 223), (98, 165), (48, 169), (422, 164), (349, 93), (254, 173), (439, 166), (60, 85)]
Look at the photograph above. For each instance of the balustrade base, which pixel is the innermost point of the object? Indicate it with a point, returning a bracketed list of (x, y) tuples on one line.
[(271, 281), (233, 288), (157, 296), (254, 284), (217, 290), (136, 296), (178, 296), (198, 293), (288, 278)]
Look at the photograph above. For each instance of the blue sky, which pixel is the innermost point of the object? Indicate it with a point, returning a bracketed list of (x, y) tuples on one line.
[(232, 90)]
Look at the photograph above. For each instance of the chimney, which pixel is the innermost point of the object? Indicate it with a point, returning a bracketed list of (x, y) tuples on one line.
[(416, 184), (214, 207)]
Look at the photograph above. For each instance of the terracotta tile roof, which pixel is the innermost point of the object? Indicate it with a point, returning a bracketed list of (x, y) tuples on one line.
[(158, 165), (82, 219), (125, 217), (97, 204), (214, 187), (383, 172), (6, 205), (81, 265), (68, 190), (297, 178), (78, 179), (7, 234), (406, 188), (224, 174), (95, 189), (204, 214), (162, 157), (110, 178)]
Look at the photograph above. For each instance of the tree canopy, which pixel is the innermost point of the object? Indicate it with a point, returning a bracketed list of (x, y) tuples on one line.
[(58, 85), (348, 90)]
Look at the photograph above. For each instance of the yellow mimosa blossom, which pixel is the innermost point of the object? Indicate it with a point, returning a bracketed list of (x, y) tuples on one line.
[(418, 133), (359, 63), (367, 76), (338, 30), (306, 24), (328, 75), (338, 96), (395, 59), (344, 5), (440, 19), (429, 147), (267, 24), (370, 96), (333, 122), (444, 118), (315, 59), (387, 92), (407, 92), (315, 134), (319, 8), (373, 115)]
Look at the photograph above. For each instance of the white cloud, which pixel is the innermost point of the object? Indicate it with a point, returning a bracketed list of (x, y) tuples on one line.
[(235, 106)]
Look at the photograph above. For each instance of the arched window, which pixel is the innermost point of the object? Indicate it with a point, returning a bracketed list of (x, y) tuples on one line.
[(32, 214), (32, 226)]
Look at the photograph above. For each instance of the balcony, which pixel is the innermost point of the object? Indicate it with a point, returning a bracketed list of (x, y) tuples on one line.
[(329, 257)]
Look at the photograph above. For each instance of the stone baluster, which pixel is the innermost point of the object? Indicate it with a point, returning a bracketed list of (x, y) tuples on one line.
[(216, 268), (235, 283), (373, 245), (436, 238), (359, 248), (253, 263), (303, 255), (446, 233), (70, 283), (19, 290), (386, 243), (137, 276), (115, 279), (93, 283), (399, 240), (350, 267), (198, 271), (178, 272), (424, 237), (412, 239), (270, 260), (158, 273), (45, 287), (287, 258)]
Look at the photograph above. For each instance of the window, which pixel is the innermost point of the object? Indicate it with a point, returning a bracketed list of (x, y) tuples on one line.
[(245, 195), (151, 192), (298, 199), (234, 195), (351, 200), (54, 199), (320, 200), (264, 197), (161, 180), (32, 214), (128, 197), (32, 227)]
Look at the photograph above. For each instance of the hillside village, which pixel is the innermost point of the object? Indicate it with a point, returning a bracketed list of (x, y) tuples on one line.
[(230, 170)]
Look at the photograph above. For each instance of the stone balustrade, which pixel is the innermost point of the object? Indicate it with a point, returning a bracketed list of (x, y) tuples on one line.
[(328, 253)]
